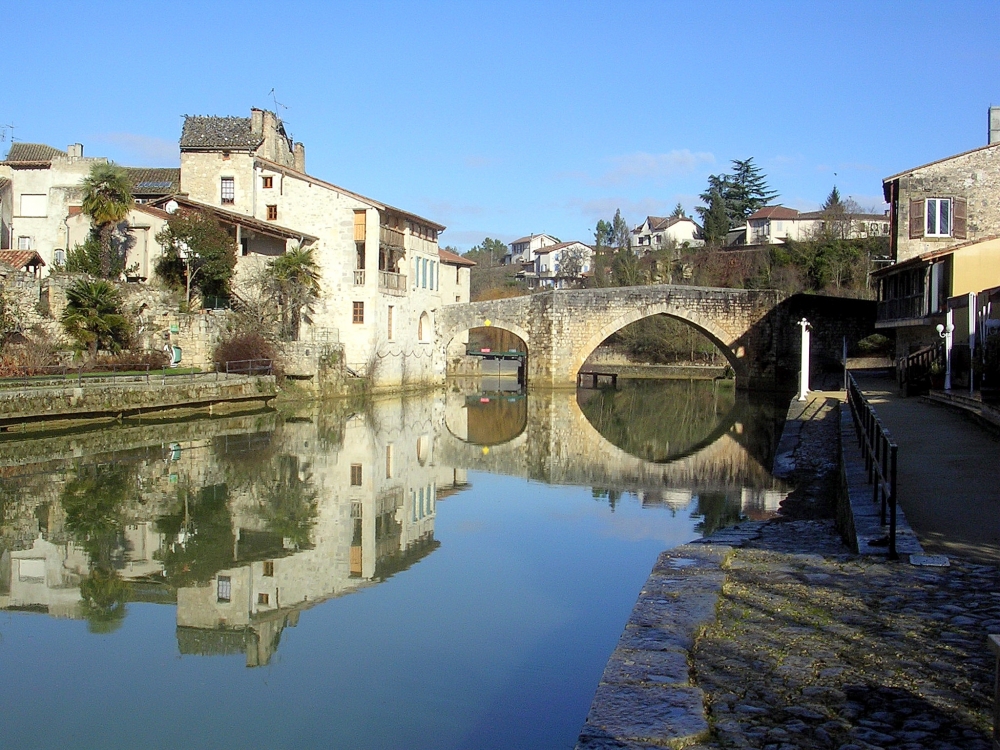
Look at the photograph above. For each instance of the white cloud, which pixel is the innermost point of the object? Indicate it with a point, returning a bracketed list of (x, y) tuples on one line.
[(142, 150)]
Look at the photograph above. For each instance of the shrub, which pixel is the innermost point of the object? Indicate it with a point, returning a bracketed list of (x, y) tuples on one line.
[(242, 347), (130, 360), (875, 344)]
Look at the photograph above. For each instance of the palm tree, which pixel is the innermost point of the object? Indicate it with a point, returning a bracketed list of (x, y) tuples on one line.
[(296, 279), (93, 316), (107, 200)]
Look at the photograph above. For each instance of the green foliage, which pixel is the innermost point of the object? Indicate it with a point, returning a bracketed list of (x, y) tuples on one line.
[(488, 253), (296, 279), (832, 201), (875, 344), (89, 257), (625, 268), (208, 545), (678, 212), (743, 192), (107, 200), (93, 316), (288, 501), (715, 220), (195, 242), (103, 596)]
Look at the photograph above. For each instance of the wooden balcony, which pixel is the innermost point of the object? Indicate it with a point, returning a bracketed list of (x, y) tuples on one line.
[(392, 283), (912, 307), (390, 237)]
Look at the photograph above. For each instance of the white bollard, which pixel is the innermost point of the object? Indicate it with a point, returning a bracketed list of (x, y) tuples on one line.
[(804, 371)]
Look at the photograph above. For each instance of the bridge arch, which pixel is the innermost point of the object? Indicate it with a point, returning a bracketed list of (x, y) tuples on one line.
[(455, 345), (699, 322)]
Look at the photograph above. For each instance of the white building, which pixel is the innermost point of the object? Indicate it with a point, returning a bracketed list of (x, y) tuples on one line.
[(523, 249), (559, 266), (777, 224), (658, 231)]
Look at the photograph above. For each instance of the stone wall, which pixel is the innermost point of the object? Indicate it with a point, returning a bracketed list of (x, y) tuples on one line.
[(974, 176)]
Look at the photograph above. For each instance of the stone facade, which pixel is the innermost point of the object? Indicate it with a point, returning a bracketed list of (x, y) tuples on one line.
[(42, 191), (970, 181)]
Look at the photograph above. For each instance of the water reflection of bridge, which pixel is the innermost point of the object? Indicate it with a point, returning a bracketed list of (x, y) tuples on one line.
[(559, 445)]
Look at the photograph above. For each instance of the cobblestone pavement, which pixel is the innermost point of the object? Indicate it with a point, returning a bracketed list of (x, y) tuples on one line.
[(836, 651)]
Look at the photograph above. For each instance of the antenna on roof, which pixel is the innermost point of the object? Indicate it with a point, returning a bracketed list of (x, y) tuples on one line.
[(276, 102), (3, 133)]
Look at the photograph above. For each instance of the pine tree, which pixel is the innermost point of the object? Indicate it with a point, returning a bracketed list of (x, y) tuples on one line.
[(833, 201), (678, 212), (716, 220)]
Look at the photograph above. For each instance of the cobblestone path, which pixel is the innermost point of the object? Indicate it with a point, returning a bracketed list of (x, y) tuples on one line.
[(841, 652)]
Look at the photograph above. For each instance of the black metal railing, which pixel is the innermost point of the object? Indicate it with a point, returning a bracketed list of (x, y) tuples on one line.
[(879, 453), (250, 367)]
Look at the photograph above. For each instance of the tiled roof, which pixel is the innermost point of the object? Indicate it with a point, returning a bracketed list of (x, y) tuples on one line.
[(218, 132), (21, 259), (32, 152), (4, 182), (154, 181), (553, 248), (775, 212), (446, 256)]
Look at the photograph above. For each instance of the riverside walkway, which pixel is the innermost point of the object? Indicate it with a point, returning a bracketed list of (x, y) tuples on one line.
[(774, 635), (949, 472)]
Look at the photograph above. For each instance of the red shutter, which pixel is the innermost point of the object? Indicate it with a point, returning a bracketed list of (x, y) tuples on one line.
[(959, 227), (916, 219)]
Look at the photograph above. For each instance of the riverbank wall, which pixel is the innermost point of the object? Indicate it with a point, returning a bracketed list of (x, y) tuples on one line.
[(122, 399)]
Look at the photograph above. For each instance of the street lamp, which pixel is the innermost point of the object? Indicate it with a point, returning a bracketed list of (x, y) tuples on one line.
[(945, 331)]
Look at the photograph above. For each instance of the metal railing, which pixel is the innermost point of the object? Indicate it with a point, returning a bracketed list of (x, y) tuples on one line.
[(60, 376), (250, 367), (880, 454)]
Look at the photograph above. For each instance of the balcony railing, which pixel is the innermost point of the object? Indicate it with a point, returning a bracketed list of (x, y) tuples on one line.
[(901, 308), (393, 283), (390, 237), (359, 277)]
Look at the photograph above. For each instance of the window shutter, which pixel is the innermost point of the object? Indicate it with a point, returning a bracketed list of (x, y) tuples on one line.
[(959, 222), (916, 219)]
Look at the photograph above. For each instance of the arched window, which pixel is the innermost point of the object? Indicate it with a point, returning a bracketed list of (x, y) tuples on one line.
[(423, 448), (424, 327)]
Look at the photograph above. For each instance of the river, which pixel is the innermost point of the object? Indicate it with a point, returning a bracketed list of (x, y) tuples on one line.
[(444, 571)]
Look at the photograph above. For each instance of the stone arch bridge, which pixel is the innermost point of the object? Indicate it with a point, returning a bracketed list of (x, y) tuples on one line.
[(562, 327)]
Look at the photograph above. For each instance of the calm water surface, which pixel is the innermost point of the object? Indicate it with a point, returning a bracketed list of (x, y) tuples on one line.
[(449, 571)]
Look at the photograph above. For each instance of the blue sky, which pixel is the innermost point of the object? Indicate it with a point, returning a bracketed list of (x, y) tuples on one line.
[(503, 119)]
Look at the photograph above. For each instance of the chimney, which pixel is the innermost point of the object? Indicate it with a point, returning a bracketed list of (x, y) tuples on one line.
[(257, 122), (76, 150), (994, 125), (299, 154)]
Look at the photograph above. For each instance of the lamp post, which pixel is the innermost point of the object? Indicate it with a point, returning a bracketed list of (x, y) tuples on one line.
[(945, 331), (804, 371), (187, 255)]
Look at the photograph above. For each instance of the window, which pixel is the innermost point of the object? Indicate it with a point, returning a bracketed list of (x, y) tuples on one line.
[(272, 213), (34, 205), (228, 190), (423, 327), (269, 568), (388, 461), (358, 313), (360, 248), (268, 181), (938, 217), (59, 257), (356, 475), (225, 589), (388, 319), (263, 599), (360, 226), (24, 243), (458, 271)]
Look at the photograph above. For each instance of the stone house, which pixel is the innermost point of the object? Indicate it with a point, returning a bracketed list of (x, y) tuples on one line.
[(944, 240), (380, 266), (660, 231), (44, 183), (143, 222), (455, 277)]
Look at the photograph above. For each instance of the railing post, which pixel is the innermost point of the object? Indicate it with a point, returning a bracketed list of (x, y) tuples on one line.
[(893, 449)]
